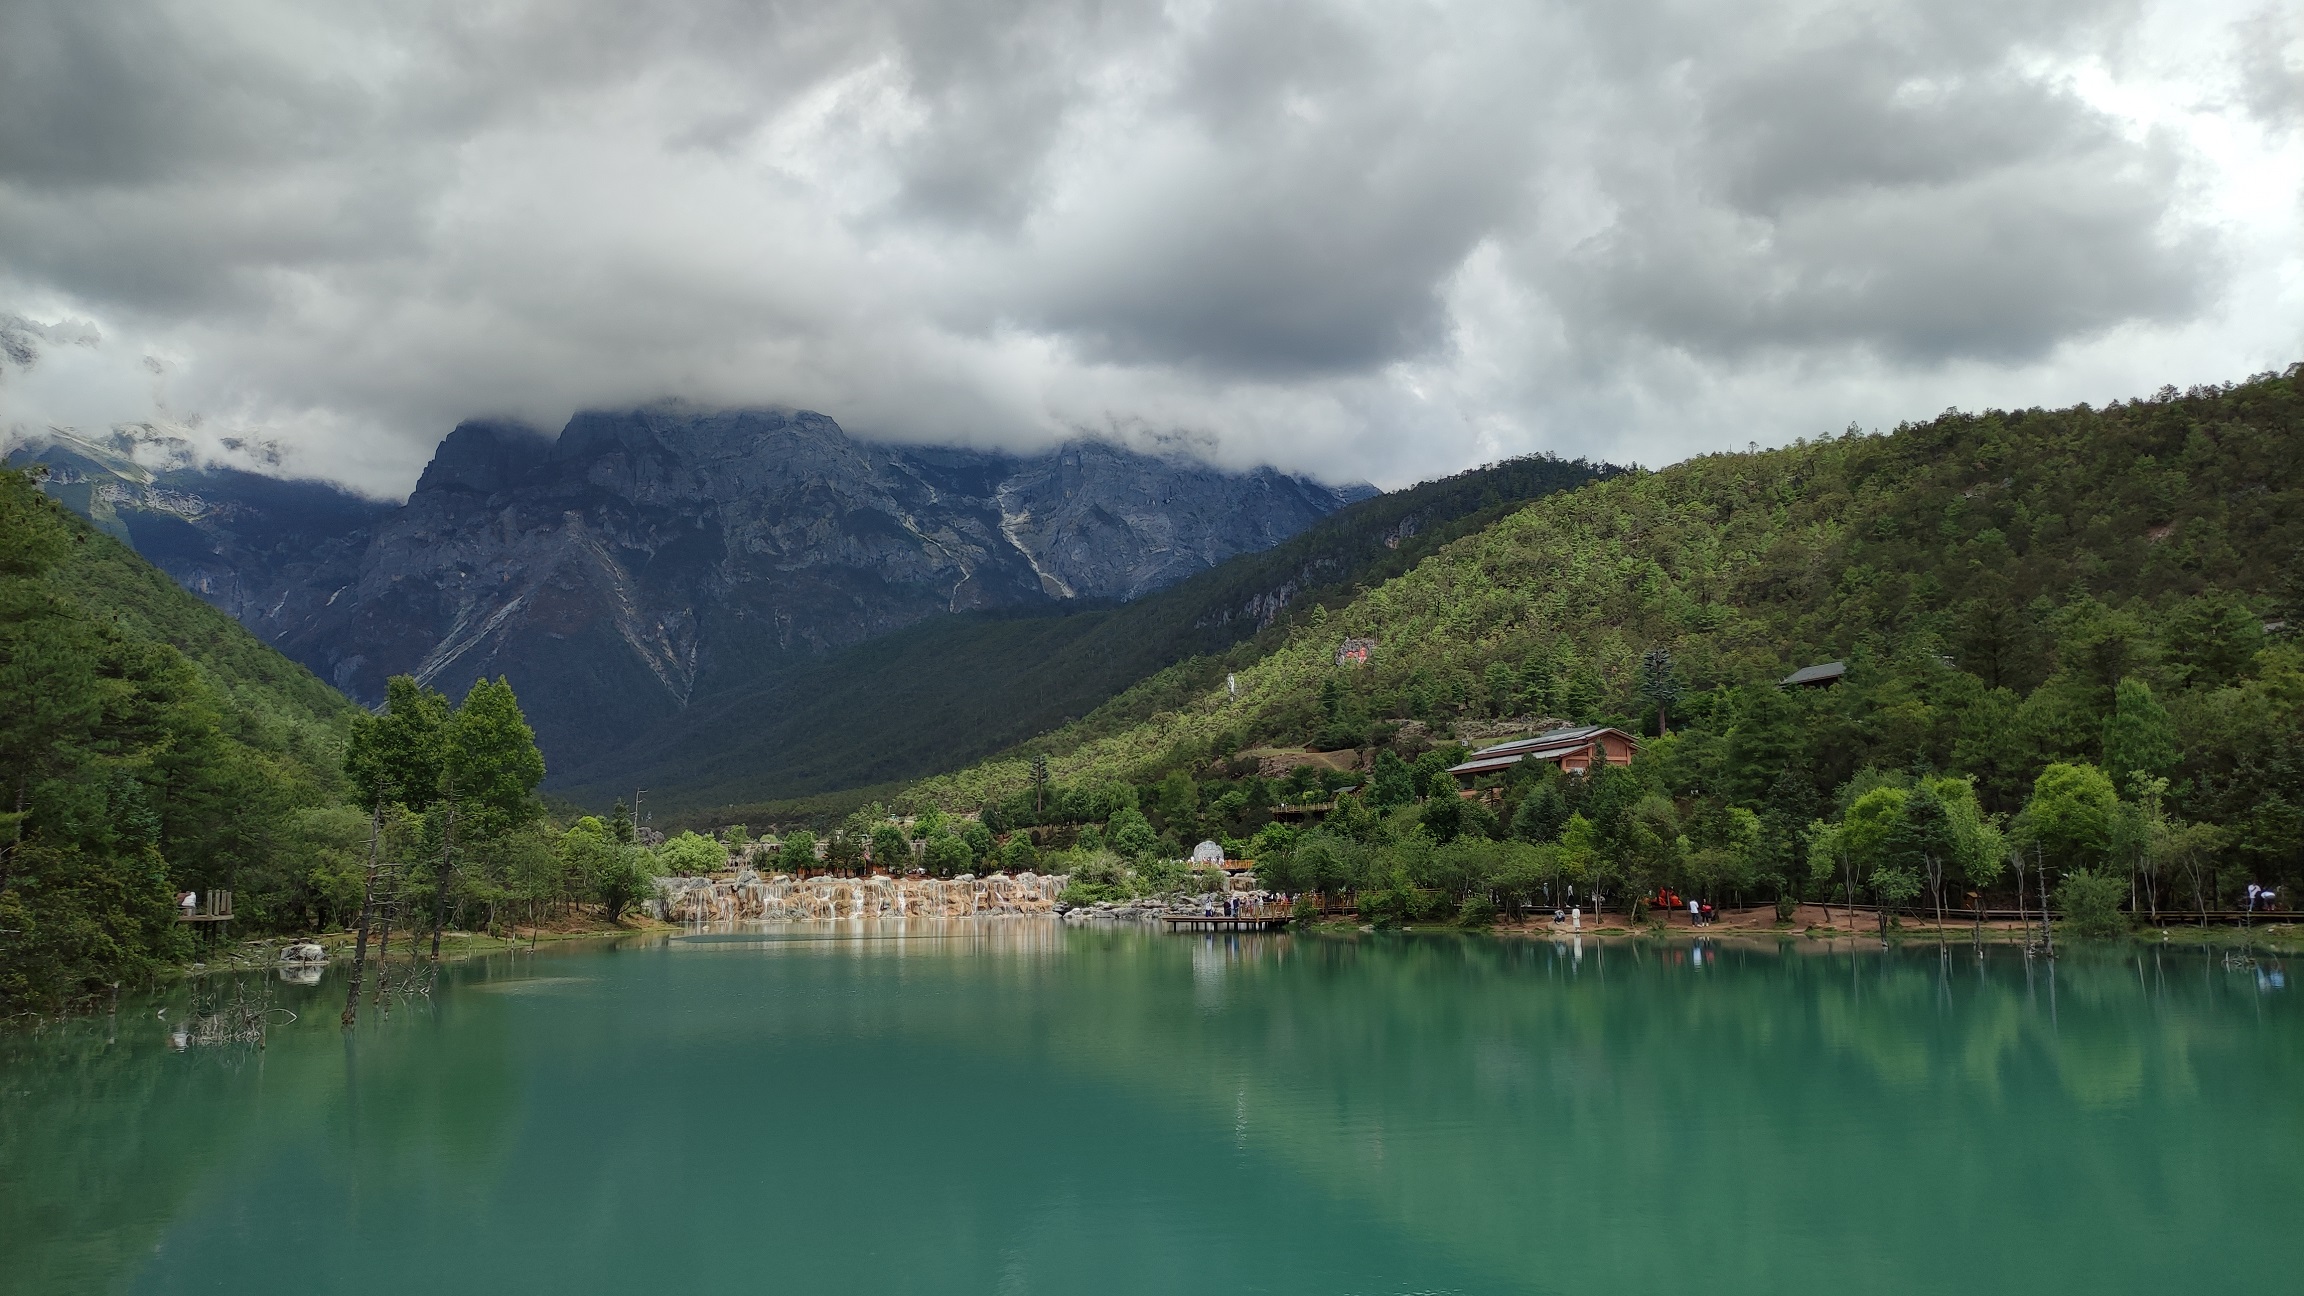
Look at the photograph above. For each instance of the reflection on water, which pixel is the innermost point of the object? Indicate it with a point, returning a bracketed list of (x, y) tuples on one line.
[(914, 1105), (531, 985), (855, 935), (749, 897)]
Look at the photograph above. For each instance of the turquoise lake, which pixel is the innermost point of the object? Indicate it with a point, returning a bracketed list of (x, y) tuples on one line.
[(1020, 1107)]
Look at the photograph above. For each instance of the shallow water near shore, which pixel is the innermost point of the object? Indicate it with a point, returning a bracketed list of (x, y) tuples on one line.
[(1018, 1106)]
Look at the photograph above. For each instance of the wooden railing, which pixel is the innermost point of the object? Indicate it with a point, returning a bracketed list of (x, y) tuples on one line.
[(213, 906)]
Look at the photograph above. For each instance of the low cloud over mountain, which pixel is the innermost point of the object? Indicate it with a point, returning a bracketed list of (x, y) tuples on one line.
[(646, 558), (1356, 241)]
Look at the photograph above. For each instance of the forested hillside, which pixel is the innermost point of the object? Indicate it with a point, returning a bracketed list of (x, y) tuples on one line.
[(2086, 604), (956, 688), (149, 745)]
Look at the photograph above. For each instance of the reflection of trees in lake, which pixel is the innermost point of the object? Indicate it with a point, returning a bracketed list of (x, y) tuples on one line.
[(1532, 1117), (108, 1132), (1742, 1102)]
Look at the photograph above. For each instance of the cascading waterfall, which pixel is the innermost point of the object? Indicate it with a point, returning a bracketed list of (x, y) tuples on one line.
[(749, 897)]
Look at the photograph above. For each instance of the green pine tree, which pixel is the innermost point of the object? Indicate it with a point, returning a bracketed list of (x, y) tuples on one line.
[(2139, 738)]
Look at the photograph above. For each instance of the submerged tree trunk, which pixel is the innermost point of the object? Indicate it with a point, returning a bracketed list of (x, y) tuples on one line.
[(367, 908)]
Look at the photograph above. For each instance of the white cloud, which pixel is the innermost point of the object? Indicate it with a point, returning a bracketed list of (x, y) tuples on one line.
[(1354, 239)]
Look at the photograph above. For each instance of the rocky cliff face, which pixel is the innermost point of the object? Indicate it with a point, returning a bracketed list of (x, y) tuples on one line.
[(1100, 522), (241, 540), (645, 560)]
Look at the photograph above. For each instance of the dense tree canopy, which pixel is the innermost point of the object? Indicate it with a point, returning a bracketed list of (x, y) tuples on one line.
[(2074, 628), (150, 746), (132, 770)]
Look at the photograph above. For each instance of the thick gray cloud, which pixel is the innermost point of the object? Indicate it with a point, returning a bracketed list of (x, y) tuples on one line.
[(2270, 46), (1358, 239), (1916, 186)]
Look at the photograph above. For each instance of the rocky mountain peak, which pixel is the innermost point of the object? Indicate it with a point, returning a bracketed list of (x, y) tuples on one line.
[(643, 559), (484, 456)]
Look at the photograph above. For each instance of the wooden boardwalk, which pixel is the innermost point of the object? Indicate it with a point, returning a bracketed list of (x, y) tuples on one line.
[(2167, 917)]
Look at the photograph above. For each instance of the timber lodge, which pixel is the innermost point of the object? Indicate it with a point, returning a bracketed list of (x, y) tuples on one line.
[(1573, 750)]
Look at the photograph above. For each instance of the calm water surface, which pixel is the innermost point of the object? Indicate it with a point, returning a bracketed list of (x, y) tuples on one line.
[(1016, 1107)]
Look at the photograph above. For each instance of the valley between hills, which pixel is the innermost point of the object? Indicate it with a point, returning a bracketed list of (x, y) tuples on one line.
[(2060, 643)]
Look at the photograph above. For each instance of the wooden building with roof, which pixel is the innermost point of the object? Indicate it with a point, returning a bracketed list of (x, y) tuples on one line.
[(1821, 675), (1573, 750)]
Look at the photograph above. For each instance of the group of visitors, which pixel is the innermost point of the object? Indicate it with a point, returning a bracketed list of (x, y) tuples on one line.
[(1700, 912), (1232, 906)]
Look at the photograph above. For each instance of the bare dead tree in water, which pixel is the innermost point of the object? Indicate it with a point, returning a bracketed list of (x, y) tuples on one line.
[(440, 883), (1933, 863), (413, 975), (384, 963), (367, 910), (2023, 923), (2196, 868), (393, 758), (212, 1020), (417, 977), (2047, 934)]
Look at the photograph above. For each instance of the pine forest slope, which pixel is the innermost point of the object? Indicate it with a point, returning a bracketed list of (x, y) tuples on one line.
[(150, 745), (956, 688), (263, 690), (1989, 576)]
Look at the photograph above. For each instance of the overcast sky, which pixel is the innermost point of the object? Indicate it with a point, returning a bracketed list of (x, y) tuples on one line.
[(1379, 241)]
